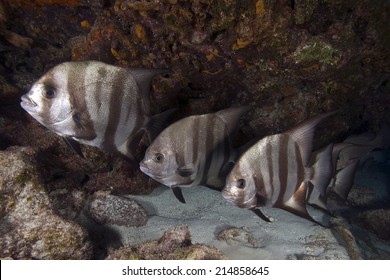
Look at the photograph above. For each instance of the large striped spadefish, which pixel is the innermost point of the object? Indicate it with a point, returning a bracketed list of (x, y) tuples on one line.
[(94, 103)]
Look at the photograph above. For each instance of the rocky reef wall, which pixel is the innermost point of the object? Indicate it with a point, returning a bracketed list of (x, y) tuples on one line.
[(289, 59)]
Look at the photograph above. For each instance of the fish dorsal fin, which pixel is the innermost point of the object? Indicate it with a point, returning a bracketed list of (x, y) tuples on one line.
[(231, 116), (297, 204), (74, 145), (144, 78), (303, 133), (345, 178), (178, 194), (261, 215)]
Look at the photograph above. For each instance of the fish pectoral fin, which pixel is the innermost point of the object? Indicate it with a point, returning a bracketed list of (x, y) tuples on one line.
[(261, 215), (178, 194), (185, 172), (297, 204), (74, 145)]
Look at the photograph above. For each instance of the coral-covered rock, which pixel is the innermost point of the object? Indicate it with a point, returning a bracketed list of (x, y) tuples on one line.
[(110, 209), (30, 227), (175, 244)]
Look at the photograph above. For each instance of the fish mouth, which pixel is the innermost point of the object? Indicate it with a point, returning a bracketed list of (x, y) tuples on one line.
[(148, 171), (228, 196), (27, 103), (144, 169)]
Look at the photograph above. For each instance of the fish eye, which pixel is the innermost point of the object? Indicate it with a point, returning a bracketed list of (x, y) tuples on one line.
[(158, 158), (49, 92), (241, 183)]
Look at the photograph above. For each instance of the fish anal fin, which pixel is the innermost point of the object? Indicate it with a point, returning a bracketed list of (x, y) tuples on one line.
[(178, 194), (303, 133), (231, 116), (74, 145), (261, 215), (297, 204)]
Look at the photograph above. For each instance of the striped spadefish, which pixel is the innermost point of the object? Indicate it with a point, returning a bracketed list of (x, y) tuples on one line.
[(202, 142), (279, 169), (107, 93)]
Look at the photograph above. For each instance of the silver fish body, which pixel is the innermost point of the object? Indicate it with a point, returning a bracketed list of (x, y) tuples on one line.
[(275, 172), (93, 103), (193, 151)]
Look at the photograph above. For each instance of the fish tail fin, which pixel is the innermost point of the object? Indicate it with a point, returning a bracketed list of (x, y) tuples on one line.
[(323, 171), (315, 199), (156, 124), (344, 179), (303, 133)]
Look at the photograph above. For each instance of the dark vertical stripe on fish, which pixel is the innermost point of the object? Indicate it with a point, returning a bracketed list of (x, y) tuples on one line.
[(196, 140), (116, 96), (283, 167), (209, 145), (76, 92), (218, 149), (260, 189)]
